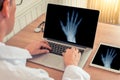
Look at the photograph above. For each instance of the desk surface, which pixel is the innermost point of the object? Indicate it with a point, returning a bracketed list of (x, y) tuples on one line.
[(105, 33)]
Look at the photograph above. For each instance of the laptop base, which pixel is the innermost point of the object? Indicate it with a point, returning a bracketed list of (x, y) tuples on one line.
[(56, 61)]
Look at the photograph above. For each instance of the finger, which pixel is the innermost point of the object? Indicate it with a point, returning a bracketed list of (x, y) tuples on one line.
[(45, 46), (79, 55), (63, 53), (67, 50), (44, 41), (77, 50), (42, 51), (73, 48)]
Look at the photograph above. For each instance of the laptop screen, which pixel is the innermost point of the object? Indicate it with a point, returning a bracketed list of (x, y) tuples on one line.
[(71, 24)]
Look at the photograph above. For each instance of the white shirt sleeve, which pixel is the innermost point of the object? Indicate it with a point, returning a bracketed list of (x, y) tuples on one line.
[(13, 67), (75, 73)]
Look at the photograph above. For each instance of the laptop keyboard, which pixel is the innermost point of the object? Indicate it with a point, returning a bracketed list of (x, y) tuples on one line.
[(59, 48)]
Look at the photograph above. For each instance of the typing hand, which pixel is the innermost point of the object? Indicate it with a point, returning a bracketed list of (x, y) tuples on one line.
[(38, 47), (71, 56), (108, 58), (71, 26)]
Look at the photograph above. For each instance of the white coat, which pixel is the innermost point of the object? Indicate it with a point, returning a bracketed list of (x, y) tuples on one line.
[(13, 67)]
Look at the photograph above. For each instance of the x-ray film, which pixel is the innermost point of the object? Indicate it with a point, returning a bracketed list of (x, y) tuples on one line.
[(107, 57)]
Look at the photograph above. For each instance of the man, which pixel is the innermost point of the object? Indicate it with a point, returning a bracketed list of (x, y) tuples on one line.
[(13, 59)]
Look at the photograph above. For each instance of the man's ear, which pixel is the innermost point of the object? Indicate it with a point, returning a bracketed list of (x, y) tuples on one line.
[(5, 10)]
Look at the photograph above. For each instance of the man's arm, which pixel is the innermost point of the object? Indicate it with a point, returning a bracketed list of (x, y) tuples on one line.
[(72, 71), (75, 73)]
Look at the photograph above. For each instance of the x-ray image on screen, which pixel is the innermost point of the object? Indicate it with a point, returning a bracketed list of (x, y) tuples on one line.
[(70, 26), (107, 57)]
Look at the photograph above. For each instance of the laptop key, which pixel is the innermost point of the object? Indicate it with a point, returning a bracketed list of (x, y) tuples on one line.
[(58, 48)]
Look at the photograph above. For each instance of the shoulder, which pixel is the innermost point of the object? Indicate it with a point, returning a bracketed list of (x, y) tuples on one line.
[(13, 52)]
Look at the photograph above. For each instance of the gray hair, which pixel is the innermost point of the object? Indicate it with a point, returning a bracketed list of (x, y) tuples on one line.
[(1, 4)]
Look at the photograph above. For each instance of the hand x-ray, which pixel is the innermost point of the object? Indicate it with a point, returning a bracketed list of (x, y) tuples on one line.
[(70, 29), (107, 57)]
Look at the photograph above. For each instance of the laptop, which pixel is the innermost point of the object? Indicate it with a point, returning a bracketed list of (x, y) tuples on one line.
[(68, 26)]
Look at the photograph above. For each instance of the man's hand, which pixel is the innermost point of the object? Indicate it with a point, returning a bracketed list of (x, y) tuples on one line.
[(71, 56), (38, 47)]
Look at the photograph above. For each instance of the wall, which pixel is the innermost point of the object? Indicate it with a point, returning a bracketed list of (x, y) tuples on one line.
[(75, 3), (118, 20)]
